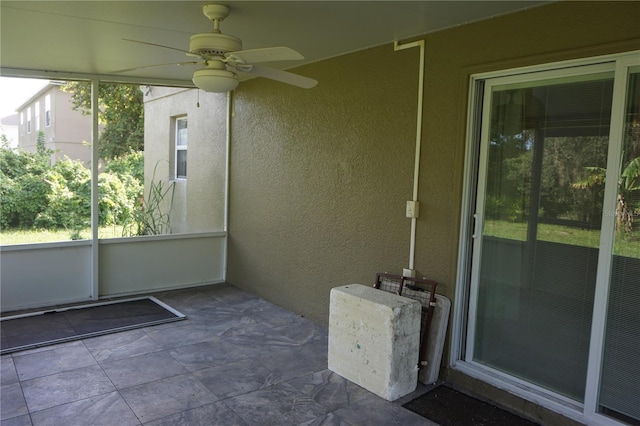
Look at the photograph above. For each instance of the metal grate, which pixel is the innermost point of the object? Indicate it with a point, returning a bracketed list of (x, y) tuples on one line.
[(421, 295), (389, 283)]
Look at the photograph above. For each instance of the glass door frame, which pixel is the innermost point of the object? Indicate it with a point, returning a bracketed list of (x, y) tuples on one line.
[(623, 68), (465, 303)]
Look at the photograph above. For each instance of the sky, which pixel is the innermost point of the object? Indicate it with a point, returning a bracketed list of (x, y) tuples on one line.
[(15, 91)]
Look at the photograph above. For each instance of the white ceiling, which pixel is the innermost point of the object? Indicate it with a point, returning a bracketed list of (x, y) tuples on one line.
[(87, 36)]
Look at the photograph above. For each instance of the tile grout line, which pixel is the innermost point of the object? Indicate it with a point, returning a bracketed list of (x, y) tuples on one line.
[(289, 342), (110, 381), (24, 397)]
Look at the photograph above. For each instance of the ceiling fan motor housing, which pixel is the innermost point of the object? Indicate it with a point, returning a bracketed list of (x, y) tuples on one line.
[(212, 44)]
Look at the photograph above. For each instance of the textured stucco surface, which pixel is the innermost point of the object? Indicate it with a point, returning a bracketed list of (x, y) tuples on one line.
[(319, 178), (69, 132), (198, 201)]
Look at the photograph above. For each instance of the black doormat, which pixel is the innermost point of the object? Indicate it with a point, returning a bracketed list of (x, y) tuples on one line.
[(37, 329), (448, 407)]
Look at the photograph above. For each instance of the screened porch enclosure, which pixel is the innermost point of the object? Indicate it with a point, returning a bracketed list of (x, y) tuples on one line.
[(142, 224)]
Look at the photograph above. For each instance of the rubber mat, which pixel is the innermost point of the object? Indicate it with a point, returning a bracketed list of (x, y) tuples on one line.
[(448, 407), (44, 328)]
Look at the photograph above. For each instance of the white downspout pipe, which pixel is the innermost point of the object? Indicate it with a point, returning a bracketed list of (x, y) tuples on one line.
[(416, 171)]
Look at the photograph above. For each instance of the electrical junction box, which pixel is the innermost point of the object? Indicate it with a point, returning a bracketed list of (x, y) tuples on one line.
[(411, 273), (413, 209)]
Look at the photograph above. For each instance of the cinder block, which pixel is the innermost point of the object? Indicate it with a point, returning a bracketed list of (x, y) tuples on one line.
[(374, 339)]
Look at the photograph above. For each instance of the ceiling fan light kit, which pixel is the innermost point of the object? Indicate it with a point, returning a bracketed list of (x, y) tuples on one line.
[(222, 55), (216, 81)]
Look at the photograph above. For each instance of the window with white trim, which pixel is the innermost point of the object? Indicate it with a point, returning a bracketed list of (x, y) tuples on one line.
[(29, 120), (180, 142), (37, 115), (47, 110)]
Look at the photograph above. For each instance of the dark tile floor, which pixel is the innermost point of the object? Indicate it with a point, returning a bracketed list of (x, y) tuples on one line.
[(236, 360)]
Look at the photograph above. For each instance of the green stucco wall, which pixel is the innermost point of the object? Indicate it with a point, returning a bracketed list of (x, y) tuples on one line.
[(320, 177)]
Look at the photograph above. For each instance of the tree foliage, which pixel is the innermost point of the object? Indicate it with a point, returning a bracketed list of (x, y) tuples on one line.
[(23, 189), (41, 144), (37, 195), (69, 197), (121, 115), (630, 179), (571, 177)]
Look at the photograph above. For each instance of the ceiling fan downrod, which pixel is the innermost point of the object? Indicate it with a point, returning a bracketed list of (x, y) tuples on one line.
[(216, 13)]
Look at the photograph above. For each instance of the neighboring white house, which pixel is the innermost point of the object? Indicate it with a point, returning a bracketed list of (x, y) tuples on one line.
[(66, 131), (184, 144)]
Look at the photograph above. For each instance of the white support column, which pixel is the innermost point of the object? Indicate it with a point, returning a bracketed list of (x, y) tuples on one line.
[(95, 213)]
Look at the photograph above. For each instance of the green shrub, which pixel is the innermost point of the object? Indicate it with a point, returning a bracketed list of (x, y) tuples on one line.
[(69, 203), (23, 190), (128, 164), (118, 196), (37, 195), (152, 215)]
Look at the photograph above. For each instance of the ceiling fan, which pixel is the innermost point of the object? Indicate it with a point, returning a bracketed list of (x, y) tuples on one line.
[(222, 57)]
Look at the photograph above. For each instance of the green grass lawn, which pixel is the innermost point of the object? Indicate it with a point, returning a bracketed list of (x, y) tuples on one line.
[(52, 235), (625, 244)]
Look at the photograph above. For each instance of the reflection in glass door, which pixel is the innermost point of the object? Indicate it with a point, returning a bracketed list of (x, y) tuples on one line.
[(554, 258), (540, 201)]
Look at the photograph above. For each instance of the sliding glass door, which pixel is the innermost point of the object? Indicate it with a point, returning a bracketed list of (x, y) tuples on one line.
[(620, 377), (555, 253)]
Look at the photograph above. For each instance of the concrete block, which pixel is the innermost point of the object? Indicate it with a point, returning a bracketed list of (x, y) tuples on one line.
[(374, 339)]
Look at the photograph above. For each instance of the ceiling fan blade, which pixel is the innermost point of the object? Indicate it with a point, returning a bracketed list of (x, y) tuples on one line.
[(279, 75), (156, 45), (155, 65), (266, 54)]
